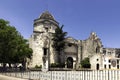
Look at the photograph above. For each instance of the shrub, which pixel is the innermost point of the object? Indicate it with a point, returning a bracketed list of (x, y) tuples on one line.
[(54, 65), (36, 66), (57, 65), (85, 63)]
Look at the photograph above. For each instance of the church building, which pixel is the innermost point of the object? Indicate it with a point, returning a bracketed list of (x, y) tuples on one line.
[(75, 50)]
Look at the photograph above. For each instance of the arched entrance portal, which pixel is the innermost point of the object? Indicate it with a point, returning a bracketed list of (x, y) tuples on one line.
[(69, 62)]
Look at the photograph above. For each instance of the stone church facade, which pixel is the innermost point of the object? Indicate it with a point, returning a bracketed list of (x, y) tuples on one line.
[(75, 50)]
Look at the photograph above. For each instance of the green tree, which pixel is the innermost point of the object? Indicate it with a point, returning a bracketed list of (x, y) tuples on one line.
[(23, 52), (85, 63), (7, 41), (58, 40), (13, 47)]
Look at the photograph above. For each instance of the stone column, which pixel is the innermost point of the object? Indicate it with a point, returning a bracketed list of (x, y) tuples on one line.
[(79, 53), (45, 64)]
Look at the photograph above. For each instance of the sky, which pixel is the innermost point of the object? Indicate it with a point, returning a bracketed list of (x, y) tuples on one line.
[(79, 17)]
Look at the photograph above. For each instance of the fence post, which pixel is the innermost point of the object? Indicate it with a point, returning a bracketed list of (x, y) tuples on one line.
[(51, 75), (39, 75), (65, 75), (117, 74), (29, 75)]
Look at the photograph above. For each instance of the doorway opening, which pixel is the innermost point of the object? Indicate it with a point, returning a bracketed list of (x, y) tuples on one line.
[(97, 66), (69, 62)]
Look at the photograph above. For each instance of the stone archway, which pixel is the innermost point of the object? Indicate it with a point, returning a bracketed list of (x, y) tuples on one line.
[(69, 62)]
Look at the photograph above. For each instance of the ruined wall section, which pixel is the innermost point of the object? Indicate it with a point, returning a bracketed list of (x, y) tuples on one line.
[(91, 46)]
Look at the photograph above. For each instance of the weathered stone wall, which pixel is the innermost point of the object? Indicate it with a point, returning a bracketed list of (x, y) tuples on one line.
[(37, 47), (91, 46), (96, 62), (71, 49), (41, 40)]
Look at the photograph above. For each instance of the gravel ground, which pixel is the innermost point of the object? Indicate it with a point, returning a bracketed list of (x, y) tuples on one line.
[(2, 77)]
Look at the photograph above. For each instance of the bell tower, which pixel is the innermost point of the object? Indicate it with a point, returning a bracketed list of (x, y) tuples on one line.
[(40, 40)]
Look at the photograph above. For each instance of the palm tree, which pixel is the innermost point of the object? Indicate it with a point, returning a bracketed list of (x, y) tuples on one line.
[(58, 41)]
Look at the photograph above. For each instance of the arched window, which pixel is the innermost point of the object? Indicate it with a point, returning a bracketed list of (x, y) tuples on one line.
[(97, 66), (105, 66), (45, 51)]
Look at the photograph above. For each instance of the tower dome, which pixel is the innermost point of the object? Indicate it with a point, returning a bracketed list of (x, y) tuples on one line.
[(46, 15)]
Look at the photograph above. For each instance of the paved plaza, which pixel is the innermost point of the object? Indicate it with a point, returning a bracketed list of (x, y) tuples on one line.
[(2, 77)]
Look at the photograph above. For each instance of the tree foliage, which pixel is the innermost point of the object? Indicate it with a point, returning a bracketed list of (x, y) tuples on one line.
[(85, 63), (58, 39), (13, 47)]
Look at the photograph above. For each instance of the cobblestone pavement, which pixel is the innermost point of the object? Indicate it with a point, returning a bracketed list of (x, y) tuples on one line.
[(2, 77)]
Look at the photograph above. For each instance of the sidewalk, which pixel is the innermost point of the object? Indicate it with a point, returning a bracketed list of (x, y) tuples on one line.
[(2, 77)]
